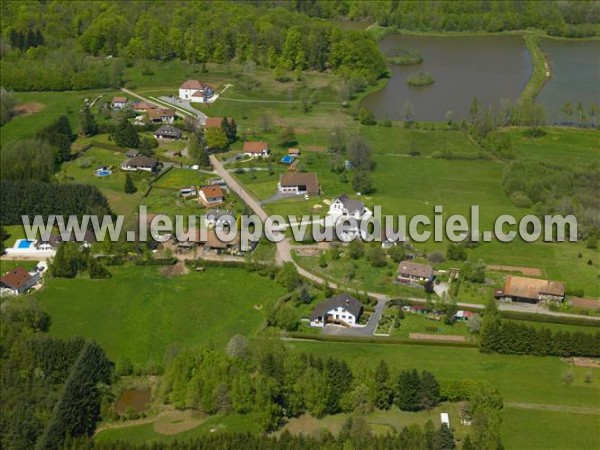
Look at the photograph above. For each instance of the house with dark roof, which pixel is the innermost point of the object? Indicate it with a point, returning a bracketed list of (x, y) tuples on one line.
[(299, 183), (55, 239), (211, 195), (132, 153), (220, 218), (344, 206), (256, 149), (140, 162), (196, 91), (19, 280), (531, 290), (168, 132), (411, 271), (342, 309)]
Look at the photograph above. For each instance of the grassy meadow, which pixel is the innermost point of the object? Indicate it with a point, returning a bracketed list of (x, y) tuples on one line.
[(138, 313)]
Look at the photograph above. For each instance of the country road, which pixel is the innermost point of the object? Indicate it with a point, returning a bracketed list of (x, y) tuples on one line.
[(284, 254)]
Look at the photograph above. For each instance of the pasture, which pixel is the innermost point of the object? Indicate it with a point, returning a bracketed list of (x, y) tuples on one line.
[(138, 312), (530, 379)]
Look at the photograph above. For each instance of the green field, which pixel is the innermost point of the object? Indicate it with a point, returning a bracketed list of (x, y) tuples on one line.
[(559, 144), (138, 313), (530, 429), (53, 104), (519, 378)]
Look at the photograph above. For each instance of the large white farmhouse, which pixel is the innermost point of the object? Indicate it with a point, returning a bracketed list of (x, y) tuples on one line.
[(347, 207), (342, 309), (196, 91)]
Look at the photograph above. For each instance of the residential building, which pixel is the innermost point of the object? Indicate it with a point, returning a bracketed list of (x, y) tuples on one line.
[(531, 290), (132, 153), (142, 107), (19, 280), (299, 183), (140, 162), (168, 132), (211, 195), (344, 206), (220, 218), (256, 149), (118, 102), (412, 271), (342, 309), (196, 91), (161, 115)]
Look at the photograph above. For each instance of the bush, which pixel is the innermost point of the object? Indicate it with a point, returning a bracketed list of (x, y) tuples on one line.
[(436, 257)]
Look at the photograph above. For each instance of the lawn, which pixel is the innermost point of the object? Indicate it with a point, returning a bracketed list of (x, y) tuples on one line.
[(179, 178), (6, 265), (138, 313), (519, 378), (53, 104), (81, 170), (531, 429), (14, 232), (559, 144), (142, 434)]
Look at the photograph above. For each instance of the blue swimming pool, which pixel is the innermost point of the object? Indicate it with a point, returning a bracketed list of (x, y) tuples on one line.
[(24, 243), (103, 172), (287, 159)]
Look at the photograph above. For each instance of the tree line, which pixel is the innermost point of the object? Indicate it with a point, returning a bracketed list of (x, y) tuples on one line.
[(503, 336), (50, 388), (31, 198), (221, 32)]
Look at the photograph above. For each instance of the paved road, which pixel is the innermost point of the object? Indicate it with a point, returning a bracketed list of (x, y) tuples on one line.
[(284, 254), (155, 103)]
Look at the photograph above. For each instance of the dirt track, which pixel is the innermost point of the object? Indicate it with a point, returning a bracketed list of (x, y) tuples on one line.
[(436, 337), (529, 271)]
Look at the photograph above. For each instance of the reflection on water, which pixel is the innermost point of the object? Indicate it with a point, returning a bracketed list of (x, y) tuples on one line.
[(492, 68), (575, 76)]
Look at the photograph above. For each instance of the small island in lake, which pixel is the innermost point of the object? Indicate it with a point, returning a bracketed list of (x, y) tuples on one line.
[(404, 56), (421, 79)]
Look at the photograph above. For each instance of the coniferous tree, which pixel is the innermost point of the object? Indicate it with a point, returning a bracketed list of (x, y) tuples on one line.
[(383, 392), (129, 186), (430, 391), (87, 122), (408, 390), (125, 134)]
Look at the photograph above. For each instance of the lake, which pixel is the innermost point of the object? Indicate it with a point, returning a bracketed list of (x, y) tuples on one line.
[(492, 68), (575, 67)]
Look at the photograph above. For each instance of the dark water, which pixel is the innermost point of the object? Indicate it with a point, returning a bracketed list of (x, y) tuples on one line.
[(138, 399), (575, 76), (492, 68)]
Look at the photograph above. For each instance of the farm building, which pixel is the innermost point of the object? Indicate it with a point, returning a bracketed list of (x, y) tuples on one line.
[(531, 290), (344, 206), (342, 309), (299, 183)]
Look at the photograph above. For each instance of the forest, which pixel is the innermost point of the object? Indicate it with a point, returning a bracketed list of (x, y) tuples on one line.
[(31, 198), (559, 18), (508, 337), (49, 388), (71, 46)]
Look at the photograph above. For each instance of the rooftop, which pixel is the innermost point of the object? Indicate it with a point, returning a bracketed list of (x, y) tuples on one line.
[(415, 269), (309, 180), (350, 204), (255, 146), (16, 278), (344, 300), (532, 287)]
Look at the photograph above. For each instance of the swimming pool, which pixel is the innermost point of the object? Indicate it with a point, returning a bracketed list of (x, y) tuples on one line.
[(24, 243), (102, 172), (287, 159)]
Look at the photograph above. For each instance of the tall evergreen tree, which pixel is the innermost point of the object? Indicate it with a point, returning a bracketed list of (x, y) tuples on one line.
[(125, 134), (129, 186), (383, 392), (87, 122)]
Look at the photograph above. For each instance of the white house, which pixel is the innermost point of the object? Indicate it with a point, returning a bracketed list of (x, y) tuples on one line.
[(211, 195), (344, 206), (118, 102), (412, 271), (342, 309), (19, 280), (196, 91), (140, 162), (256, 149)]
